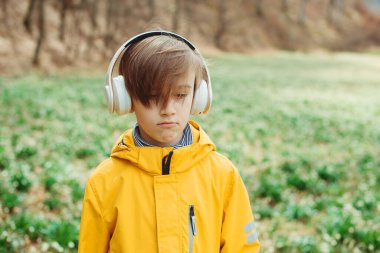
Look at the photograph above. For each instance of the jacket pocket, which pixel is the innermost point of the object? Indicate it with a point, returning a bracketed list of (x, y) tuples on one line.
[(192, 228)]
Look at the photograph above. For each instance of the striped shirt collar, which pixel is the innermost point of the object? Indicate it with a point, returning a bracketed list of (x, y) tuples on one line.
[(187, 138)]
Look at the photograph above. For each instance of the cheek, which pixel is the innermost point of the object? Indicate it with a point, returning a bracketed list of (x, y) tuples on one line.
[(187, 103), (186, 107), (190, 98), (144, 116)]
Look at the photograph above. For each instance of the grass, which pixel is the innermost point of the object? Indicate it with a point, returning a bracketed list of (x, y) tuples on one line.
[(304, 130)]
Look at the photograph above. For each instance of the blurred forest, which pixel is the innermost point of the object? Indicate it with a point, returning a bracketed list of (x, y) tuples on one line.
[(308, 139), (52, 34)]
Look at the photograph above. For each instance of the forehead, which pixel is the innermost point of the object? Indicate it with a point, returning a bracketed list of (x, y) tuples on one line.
[(184, 87), (185, 80)]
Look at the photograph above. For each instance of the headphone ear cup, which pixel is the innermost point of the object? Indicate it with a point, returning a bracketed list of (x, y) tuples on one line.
[(200, 100), (109, 97), (122, 100)]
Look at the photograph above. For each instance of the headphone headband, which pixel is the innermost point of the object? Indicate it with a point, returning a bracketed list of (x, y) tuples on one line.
[(145, 35)]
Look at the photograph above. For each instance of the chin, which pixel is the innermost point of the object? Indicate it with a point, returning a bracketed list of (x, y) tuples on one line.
[(169, 140)]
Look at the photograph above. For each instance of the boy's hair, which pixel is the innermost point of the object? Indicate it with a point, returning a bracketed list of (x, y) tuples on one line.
[(150, 68)]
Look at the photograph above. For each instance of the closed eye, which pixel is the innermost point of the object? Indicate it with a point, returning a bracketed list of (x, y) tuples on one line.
[(181, 95)]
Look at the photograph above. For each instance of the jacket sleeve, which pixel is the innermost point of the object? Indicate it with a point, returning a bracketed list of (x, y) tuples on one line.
[(239, 232), (94, 234)]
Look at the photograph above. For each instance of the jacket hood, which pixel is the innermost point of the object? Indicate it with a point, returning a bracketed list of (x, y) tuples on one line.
[(151, 159)]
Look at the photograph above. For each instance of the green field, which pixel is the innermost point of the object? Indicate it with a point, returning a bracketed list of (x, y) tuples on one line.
[(303, 129)]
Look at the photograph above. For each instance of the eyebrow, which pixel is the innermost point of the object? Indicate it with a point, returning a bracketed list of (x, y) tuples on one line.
[(184, 86)]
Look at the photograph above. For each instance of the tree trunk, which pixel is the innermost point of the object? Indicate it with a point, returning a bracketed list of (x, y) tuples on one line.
[(285, 7), (41, 29), (176, 15), (152, 9), (302, 12), (93, 11), (64, 7), (28, 16), (221, 24), (4, 16), (110, 18), (342, 6), (329, 11), (4, 5), (188, 12), (259, 8)]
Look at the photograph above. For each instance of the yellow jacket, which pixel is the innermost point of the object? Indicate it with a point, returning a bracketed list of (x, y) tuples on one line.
[(199, 205)]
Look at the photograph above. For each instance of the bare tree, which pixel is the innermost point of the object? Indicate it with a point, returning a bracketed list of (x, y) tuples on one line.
[(92, 9), (4, 8), (152, 8), (110, 20), (221, 22), (64, 7), (336, 9), (342, 6), (41, 29), (302, 12), (259, 8), (176, 14), (329, 11), (188, 13), (4, 16), (28, 17), (285, 7)]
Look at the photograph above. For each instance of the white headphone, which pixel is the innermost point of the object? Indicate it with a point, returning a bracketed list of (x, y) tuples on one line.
[(119, 100)]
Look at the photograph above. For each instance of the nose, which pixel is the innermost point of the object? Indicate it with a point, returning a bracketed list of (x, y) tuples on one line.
[(169, 109)]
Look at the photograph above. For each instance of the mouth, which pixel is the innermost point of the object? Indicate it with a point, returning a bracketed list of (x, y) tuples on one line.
[(168, 124)]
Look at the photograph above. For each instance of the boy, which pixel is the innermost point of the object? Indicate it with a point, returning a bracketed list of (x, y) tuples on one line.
[(165, 188)]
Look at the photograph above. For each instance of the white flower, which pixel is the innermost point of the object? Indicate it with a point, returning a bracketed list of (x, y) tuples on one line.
[(360, 203), (45, 246), (56, 246)]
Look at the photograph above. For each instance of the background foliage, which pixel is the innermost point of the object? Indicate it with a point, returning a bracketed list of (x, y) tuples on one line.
[(304, 130), (52, 35)]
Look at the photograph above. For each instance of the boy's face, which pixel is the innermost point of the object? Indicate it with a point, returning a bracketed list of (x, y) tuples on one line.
[(163, 125)]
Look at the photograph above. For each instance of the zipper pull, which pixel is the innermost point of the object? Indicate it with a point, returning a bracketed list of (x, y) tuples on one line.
[(192, 220), (166, 163)]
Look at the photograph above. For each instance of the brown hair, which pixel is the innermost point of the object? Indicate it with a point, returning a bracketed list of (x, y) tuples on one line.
[(154, 64)]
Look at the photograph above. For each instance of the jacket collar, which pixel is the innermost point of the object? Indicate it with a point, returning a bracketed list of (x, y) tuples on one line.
[(149, 159)]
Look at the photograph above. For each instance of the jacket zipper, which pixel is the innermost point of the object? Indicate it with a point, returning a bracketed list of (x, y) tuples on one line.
[(192, 228), (166, 163)]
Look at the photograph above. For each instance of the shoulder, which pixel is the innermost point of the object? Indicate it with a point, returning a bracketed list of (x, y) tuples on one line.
[(225, 172), (104, 168), (223, 166), (105, 173), (222, 161)]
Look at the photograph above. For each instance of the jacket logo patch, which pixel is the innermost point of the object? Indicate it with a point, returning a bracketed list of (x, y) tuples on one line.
[(252, 237), (249, 228)]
